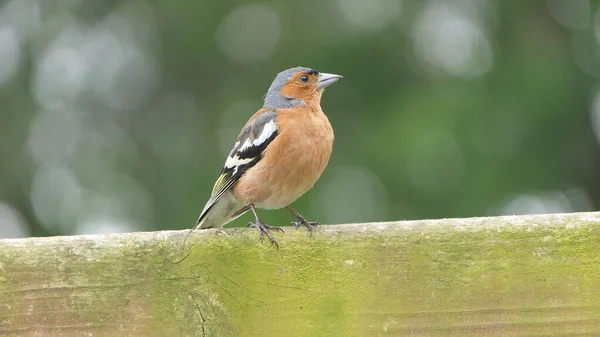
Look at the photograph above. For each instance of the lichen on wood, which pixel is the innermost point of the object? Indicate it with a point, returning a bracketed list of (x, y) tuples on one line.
[(518, 275)]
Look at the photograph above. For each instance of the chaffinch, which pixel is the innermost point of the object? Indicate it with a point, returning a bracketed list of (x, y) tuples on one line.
[(279, 155)]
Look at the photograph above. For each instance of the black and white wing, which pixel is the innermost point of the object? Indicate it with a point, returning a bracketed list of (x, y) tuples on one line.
[(248, 150)]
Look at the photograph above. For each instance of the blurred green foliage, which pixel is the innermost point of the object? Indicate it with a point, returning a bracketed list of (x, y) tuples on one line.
[(118, 115)]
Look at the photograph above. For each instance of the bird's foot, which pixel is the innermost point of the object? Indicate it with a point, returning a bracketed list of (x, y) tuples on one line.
[(263, 230), (303, 222)]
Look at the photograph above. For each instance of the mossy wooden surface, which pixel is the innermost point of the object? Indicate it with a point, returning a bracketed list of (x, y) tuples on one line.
[(506, 276)]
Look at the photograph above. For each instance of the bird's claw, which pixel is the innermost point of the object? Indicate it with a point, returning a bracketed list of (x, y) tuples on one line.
[(308, 224), (264, 230)]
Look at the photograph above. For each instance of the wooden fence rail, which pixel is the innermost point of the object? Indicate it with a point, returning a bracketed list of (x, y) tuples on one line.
[(502, 276)]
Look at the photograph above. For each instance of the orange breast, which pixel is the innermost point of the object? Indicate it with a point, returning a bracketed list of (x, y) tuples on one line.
[(293, 161)]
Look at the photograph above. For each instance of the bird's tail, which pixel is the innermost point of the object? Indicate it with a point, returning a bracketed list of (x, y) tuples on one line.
[(226, 209), (222, 212)]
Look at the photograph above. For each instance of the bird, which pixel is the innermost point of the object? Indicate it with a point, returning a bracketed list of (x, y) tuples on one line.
[(278, 156)]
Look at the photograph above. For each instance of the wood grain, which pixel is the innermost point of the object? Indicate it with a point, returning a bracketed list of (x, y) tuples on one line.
[(503, 276)]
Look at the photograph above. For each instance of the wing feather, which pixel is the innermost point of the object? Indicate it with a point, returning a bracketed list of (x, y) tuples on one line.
[(248, 150)]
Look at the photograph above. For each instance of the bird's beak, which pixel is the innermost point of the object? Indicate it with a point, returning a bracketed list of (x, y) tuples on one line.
[(327, 79)]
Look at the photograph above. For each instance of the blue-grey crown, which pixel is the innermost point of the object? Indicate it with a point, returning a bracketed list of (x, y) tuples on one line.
[(274, 99)]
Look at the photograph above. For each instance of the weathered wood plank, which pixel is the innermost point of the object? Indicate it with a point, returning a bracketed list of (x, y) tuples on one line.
[(504, 276)]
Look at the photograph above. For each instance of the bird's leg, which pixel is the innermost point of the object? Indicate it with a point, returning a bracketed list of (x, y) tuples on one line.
[(263, 229), (301, 220)]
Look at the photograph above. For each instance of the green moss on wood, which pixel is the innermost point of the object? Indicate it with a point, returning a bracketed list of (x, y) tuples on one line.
[(511, 275)]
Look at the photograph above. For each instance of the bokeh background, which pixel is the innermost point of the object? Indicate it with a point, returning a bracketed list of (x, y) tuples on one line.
[(117, 115)]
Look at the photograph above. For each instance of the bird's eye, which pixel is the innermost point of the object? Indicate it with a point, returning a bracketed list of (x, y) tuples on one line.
[(304, 78)]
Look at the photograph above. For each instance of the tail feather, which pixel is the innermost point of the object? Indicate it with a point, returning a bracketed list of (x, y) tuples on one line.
[(225, 210), (217, 215)]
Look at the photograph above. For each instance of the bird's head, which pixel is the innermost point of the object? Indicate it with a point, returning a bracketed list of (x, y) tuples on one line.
[(298, 86)]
